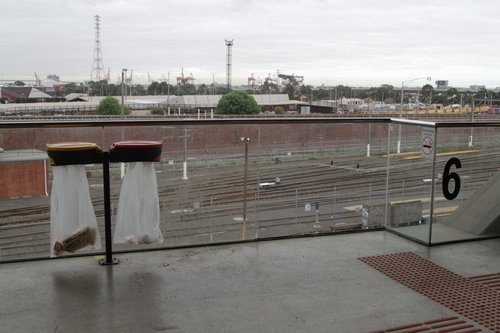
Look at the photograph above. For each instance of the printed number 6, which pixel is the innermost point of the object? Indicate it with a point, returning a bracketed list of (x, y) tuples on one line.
[(447, 176)]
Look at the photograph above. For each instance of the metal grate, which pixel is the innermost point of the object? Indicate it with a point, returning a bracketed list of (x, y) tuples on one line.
[(466, 296)]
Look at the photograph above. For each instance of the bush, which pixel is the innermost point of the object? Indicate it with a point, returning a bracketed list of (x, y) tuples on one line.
[(279, 110), (237, 102), (111, 107), (157, 111)]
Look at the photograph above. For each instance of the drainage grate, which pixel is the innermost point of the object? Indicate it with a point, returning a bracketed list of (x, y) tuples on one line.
[(468, 297), (443, 325)]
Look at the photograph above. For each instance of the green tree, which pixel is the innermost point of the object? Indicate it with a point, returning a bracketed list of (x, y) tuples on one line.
[(427, 92), (237, 102), (306, 90), (154, 88), (202, 89), (288, 89), (185, 89), (269, 88), (111, 106), (344, 91), (384, 92)]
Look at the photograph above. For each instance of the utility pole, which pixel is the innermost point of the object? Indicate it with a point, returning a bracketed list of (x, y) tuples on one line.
[(97, 74), (229, 56)]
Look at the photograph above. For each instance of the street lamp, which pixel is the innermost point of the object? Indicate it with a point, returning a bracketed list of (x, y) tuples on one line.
[(244, 230), (402, 103)]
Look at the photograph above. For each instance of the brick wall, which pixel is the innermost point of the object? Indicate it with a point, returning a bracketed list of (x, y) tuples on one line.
[(23, 179)]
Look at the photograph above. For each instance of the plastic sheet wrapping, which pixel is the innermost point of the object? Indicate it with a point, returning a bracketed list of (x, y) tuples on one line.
[(138, 217), (73, 225)]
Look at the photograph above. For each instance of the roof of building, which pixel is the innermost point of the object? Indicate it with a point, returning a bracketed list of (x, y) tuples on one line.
[(77, 97), (35, 93), (22, 155), (212, 100)]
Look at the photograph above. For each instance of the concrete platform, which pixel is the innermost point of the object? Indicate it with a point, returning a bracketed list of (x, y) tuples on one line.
[(294, 285)]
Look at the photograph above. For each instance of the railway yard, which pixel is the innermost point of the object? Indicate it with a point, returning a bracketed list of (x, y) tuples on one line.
[(319, 192)]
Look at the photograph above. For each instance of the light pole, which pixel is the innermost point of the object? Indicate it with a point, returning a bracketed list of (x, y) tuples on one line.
[(122, 165), (244, 229), (124, 70), (184, 164), (402, 103), (368, 146)]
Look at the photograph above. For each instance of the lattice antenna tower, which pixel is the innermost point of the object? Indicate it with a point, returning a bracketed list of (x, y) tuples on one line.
[(98, 72), (229, 56)]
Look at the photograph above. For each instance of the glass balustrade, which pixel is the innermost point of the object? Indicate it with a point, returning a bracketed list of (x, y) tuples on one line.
[(228, 181)]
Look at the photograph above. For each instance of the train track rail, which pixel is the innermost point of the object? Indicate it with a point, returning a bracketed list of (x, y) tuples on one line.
[(217, 192)]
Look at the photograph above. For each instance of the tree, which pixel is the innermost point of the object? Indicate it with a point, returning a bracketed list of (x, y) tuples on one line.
[(137, 90), (154, 88), (186, 89), (269, 88), (427, 92), (110, 106), (202, 89), (306, 90), (384, 93), (452, 94), (237, 102), (53, 77)]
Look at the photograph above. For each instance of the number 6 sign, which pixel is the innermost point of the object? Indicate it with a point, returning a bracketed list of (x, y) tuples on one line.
[(447, 176)]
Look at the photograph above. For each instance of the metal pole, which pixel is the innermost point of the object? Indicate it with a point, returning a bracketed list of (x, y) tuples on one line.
[(296, 204), (433, 184), (107, 214), (400, 116), (184, 164), (244, 230), (471, 120), (122, 165), (368, 146)]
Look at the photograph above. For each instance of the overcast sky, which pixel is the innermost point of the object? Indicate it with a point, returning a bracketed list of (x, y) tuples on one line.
[(357, 42)]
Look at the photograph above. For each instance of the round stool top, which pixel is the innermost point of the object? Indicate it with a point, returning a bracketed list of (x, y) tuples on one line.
[(136, 144), (72, 146)]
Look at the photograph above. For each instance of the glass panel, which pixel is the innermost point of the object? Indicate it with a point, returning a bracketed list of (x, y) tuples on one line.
[(25, 187), (466, 196), (410, 181), (300, 179)]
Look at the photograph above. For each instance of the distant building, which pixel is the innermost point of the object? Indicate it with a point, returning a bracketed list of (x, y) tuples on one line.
[(442, 85), (23, 93), (475, 88), (267, 102), (24, 173)]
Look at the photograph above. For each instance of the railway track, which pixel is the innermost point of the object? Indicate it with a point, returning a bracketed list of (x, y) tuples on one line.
[(217, 193)]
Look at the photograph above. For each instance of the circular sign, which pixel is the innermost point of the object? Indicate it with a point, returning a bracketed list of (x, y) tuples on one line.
[(427, 145)]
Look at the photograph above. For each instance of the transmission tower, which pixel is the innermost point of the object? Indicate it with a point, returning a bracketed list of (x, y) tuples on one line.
[(98, 72), (229, 44)]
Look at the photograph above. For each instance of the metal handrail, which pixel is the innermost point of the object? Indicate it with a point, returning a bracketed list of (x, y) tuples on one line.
[(237, 121)]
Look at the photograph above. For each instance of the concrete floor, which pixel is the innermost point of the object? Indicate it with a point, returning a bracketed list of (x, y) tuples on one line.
[(295, 285)]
